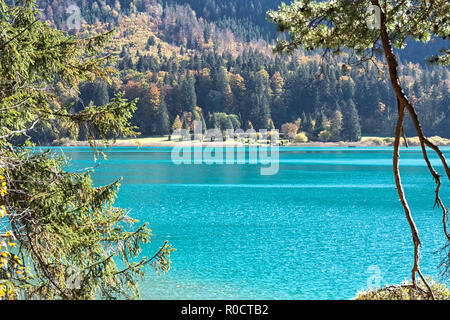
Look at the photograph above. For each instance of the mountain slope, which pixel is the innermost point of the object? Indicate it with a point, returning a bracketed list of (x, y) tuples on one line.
[(182, 63)]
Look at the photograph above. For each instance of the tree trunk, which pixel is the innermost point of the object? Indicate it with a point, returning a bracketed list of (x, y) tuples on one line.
[(404, 103), (401, 195)]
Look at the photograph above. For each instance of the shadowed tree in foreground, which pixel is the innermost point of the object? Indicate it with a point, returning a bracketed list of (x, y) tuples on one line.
[(54, 223), (363, 31)]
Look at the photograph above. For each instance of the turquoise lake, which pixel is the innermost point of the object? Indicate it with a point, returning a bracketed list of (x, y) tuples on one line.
[(321, 228)]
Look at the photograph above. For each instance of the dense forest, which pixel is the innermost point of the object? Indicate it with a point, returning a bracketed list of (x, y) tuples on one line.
[(211, 60)]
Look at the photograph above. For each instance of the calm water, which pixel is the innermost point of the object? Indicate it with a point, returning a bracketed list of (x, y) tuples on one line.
[(319, 229)]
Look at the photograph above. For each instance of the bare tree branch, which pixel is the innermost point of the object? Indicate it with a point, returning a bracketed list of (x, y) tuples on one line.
[(12, 133)]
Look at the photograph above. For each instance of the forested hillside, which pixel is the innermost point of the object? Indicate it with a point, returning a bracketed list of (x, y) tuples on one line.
[(211, 60)]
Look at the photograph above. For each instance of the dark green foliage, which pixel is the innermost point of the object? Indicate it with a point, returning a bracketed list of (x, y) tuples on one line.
[(351, 130), (151, 42), (223, 121), (188, 95), (163, 123), (126, 61), (92, 92)]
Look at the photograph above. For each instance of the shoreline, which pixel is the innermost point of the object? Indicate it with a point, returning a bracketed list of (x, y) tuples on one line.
[(216, 144), (164, 142)]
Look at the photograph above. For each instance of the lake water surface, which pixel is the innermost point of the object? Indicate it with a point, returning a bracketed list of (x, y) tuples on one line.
[(324, 227)]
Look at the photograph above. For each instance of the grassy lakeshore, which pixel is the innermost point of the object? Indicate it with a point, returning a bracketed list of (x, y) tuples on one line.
[(163, 141)]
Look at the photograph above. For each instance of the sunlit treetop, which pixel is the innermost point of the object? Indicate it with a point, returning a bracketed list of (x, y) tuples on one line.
[(352, 24)]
